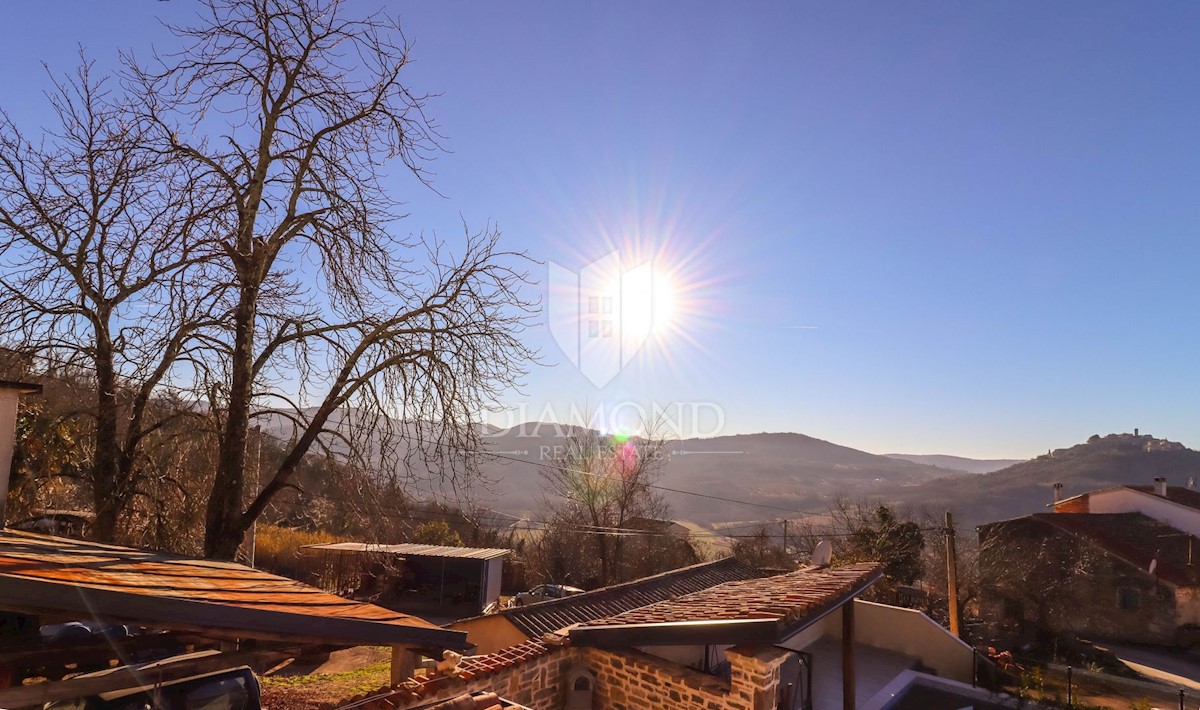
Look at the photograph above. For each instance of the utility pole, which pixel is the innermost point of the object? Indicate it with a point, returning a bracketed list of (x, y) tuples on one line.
[(952, 575), (785, 547)]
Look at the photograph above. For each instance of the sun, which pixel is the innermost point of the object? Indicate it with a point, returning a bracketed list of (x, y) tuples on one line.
[(662, 294)]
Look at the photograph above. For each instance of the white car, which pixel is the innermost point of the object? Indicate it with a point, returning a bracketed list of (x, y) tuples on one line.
[(545, 592)]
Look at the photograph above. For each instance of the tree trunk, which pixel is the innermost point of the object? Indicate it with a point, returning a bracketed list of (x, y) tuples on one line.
[(224, 527), (109, 491)]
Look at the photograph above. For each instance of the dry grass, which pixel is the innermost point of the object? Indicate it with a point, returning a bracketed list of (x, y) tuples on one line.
[(277, 549), (294, 692)]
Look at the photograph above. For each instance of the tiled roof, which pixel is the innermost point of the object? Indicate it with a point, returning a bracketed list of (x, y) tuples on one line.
[(470, 668), (474, 701), (478, 666), (545, 617), (1175, 494), (1135, 538), (787, 597)]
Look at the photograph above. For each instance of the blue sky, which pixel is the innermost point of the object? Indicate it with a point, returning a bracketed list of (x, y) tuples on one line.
[(985, 215)]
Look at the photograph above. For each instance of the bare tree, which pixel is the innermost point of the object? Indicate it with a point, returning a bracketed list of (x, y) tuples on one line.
[(102, 240), (1030, 573), (597, 485), (347, 331)]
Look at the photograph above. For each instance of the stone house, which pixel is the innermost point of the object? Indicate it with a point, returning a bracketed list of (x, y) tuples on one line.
[(756, 644), (1118, 563), (489, 633)]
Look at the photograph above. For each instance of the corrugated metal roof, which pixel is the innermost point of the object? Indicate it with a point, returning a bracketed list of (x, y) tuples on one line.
[(548, 616), (67, 577), (413, 549)]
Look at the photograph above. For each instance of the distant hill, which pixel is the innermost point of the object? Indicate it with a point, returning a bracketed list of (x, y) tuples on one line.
[(802, 473), (958, 463), (779, 469), (1023, 488), (785, 470)]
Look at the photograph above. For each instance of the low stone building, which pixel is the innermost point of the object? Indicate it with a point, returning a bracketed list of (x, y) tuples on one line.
[(509, 627), (1120, 563), (797, 640)]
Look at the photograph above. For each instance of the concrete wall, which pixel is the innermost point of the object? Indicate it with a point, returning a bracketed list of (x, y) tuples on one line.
[(490, 633), (493, 573), (912, 633), (902, 631)]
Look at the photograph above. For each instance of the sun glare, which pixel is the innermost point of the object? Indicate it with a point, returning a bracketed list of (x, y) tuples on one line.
[(663, 294)]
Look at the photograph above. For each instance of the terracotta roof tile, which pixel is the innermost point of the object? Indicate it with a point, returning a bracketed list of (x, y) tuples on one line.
[(786, 597), (1135, 538)]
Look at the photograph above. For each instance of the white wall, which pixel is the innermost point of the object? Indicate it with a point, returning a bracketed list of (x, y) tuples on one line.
[(1124, 500), (493, 569), (900, 630)]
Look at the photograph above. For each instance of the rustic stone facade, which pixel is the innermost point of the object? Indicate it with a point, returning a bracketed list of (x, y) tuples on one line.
[(629, 680), (625, 680), (1046, 578)]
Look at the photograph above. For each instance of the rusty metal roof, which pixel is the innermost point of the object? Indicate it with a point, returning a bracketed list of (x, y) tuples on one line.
[(43, 574), (413, 549)]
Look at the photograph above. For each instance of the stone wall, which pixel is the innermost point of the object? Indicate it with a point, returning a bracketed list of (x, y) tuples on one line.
[(625, 680), (630, 680), (1086, 603)]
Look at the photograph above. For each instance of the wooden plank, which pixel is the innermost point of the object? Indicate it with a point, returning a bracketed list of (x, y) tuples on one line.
[(404, 664), (128, 676)]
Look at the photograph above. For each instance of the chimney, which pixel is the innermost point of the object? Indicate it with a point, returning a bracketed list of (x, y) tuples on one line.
[(1160, 486), (10, 396), (1057, 492), (1135, 431)]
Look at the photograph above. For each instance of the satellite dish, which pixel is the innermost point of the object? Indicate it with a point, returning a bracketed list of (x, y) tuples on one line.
[(822, 554)]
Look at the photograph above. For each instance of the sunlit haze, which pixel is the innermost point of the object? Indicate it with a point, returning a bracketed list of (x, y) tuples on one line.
[(960, 228)]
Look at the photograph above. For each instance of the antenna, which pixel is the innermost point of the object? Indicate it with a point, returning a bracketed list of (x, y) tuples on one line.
[(822, 554)]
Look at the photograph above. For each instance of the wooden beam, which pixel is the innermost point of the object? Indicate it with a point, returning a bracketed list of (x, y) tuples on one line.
[(848, 678), (404, 664), (133, 676)]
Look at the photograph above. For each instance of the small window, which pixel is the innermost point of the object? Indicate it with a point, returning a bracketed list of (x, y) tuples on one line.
[(582, 684), (1129, 599)]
